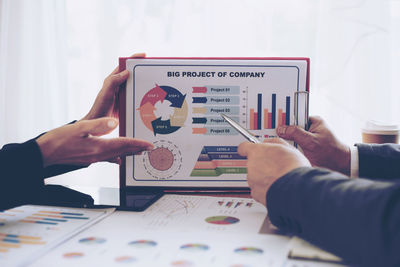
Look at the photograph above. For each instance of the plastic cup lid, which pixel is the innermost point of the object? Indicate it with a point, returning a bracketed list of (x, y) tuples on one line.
[(375, 127)]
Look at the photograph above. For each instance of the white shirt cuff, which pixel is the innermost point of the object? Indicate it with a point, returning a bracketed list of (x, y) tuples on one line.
[(354, 168)]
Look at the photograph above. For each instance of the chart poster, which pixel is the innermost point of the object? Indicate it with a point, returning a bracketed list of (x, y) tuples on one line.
[(176, 105)]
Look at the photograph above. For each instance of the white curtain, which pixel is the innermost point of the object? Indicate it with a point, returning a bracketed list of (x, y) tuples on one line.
[(33, 65), (54, 55)]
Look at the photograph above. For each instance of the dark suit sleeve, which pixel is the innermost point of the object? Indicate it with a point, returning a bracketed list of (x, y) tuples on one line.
[(21, 174), (379, 161), (356, 219)]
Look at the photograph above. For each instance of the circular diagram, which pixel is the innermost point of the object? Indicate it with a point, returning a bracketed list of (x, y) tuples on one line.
[(164, 161), (73, 255), (160, 94), (92, 240), (222, 220), (249, 251), (194, 247), (143, 243)]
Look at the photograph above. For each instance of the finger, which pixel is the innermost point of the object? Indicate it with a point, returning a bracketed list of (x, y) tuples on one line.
[(294, 133), (114, 80), (315, 119), (139, 55), (122, 146), (116, 160), (275, 141), (97, 127), (136, 55), (244, 148)]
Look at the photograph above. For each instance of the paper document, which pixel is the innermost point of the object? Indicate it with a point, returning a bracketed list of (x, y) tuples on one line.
[(28, 232), (177, 230)]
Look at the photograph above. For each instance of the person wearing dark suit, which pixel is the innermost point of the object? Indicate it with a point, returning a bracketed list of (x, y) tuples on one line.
[(24, 166), (315, 196)]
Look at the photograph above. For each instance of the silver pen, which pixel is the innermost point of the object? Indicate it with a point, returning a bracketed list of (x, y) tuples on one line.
[(249, 136)]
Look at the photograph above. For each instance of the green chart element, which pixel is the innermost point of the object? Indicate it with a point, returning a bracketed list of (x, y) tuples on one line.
[(214, 161)]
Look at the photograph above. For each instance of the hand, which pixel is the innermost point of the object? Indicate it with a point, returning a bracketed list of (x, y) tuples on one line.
[(106, 103), (79, 144), (319, 145), (267, 162)]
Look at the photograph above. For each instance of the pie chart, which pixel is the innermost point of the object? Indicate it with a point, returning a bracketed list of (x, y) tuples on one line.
[(176, 102), (92, 240), (249, 251), (182, 263), (125, 259), (193, 247), (164, 161), (223, 220), (143, 243), (73, 255)]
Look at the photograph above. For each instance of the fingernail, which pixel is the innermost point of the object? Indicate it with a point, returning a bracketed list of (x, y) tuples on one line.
[(281, 130), (112, 123)]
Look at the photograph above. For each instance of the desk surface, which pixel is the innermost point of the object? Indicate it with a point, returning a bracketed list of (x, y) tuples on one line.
[(110, 196)]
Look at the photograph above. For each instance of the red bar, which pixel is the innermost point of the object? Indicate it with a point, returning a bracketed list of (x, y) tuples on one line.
[(252, 119), (199, 89), (255, 120), (265, 118), (284, 118), (269, 120)]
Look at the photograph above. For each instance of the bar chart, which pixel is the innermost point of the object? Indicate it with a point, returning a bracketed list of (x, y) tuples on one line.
[(269, 116), (28, 231)]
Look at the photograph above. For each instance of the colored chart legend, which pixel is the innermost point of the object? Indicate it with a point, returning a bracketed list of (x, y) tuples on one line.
[(208, 102), (218, 160)]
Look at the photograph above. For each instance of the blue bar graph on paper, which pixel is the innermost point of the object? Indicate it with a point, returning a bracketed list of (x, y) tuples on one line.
[(259, 112), (273, 119), (287, 110)]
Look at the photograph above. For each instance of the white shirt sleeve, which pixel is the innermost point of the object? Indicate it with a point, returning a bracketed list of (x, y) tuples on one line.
[(354, 167)]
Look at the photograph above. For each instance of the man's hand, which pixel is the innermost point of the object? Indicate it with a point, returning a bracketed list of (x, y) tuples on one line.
[(319, 145), (267, 162), (106, 103), (80, 144)]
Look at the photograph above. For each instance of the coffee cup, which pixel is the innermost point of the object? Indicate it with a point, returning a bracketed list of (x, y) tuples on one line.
[(379, 133)]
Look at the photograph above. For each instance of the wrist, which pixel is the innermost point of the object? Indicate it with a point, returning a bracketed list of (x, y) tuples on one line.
[(344, 160), (45, 147)]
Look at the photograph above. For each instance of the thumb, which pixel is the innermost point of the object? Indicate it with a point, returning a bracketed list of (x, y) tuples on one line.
[(98, 127), (244, 148), (294, 133)]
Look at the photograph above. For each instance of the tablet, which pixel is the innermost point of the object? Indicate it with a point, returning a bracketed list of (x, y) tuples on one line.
[(175, 103)]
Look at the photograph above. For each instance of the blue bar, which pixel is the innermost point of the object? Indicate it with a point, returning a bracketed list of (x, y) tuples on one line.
[(55, 220), (225, 156), (71, 213), (80, 218), (42, 222), (287, 110), (259, 108), (10, 240), (221, 149), (273, 111)]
